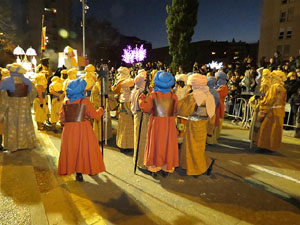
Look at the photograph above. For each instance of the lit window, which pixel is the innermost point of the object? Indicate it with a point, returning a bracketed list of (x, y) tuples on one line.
[(289, 33), (213, 53), (225, 53), (282, 18)]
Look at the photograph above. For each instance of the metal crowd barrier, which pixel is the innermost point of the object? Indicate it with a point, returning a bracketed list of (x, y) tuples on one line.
[(243, 111)]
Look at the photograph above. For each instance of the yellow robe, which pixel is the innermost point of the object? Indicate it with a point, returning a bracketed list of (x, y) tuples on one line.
[(125, 131), (192, 154), (96, 101), (41, 113), (272, 109), (57, 100)]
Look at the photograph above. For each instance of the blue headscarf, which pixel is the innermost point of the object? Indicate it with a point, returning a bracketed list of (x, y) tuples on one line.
[(163, 81), (211, 82), (8, 83), (222, 79), (75, 89)]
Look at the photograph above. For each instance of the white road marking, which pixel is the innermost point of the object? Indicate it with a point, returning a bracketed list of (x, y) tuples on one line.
[(275, 173), (229, 146)]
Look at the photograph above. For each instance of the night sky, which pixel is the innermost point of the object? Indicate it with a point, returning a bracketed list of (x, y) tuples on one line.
[(217, 19)]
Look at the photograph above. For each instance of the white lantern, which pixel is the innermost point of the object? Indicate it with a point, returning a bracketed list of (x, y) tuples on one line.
[(31, 52), (19, 51)]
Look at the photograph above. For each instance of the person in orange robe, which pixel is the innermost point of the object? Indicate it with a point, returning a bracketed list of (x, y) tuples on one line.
[(80, 151), (161, 151), (222, 89)]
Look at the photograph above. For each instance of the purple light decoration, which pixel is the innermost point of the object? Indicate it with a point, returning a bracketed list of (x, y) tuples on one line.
[(134, 55)]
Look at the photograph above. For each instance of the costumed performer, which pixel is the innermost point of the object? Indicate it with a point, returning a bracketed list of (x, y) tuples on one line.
[(161, 151), (80, 151), (271, 114), (56, 90), (96, 101), (140, 82), (199, 106), (125, 139), (211, 83), (72, 74), (40, 103), (17, 93), (222, 89), (90, 79), (181, 91), (4, 73)]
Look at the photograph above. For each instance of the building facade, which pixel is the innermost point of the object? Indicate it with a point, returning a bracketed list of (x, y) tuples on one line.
[(280, 28), (27, 15)]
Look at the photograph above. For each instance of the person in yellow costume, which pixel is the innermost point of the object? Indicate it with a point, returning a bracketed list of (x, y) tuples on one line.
[(56, 90), (199, 107), (44, 66), (254, 101), (271, 114), (72, 75), (64, 75), (90, 79), (96, 101), (4, 73), (125, 131), (40, 103)]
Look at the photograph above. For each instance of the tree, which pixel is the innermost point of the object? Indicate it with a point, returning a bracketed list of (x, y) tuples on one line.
[(181, 20)]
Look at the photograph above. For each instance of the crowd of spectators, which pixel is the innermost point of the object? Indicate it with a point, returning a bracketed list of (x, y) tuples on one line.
[(242, 76)]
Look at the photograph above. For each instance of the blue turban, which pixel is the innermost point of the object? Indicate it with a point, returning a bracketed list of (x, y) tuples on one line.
[(75, 89), (211, 82), (8, 83), (163, 81), (222, 79)]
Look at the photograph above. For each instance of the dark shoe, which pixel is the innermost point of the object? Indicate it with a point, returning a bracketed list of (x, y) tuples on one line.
[(208, 171), (79, 177), (263, 151), (196, 176), (165, 174), (154, 175)]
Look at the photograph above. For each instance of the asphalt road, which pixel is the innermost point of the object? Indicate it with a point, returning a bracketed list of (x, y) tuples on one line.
[(245, 188)]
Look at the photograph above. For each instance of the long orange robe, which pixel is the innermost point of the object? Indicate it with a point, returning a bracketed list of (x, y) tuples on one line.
[(80, 151), (161, 151), (272, 107)]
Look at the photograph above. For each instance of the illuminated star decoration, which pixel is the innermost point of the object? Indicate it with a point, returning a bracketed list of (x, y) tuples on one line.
[(215, 64), (131, 56)]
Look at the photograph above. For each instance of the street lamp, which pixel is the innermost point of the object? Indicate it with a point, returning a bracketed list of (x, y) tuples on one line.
[(84, 10)]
